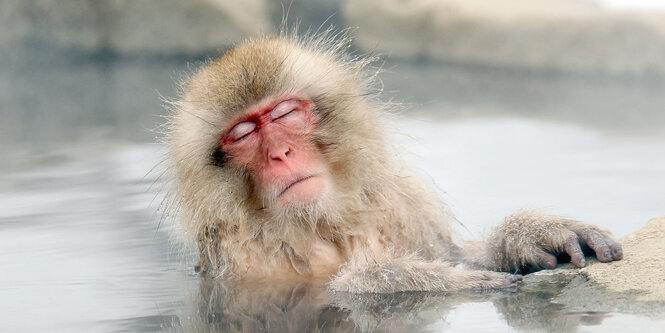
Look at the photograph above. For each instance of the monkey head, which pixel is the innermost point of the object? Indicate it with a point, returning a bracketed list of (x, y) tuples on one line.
[(275, 126)]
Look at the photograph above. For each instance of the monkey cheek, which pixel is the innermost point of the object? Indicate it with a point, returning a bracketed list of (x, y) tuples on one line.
[(303, 193)]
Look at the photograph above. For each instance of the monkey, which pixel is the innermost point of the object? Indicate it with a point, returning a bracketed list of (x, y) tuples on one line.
[(281, 170)]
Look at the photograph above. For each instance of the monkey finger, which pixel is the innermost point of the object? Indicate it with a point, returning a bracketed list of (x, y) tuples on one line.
[(596, 241), (545, 260), (617, 251), (574, 250)]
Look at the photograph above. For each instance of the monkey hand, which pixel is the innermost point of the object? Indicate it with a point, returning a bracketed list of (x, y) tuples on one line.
[(533, 240)]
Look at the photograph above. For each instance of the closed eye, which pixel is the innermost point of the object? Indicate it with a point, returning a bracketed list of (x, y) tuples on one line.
[(241, 131), (286, 114), (284, 109)]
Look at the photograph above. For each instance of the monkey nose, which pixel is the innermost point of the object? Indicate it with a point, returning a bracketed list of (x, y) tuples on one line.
[(280, 153)]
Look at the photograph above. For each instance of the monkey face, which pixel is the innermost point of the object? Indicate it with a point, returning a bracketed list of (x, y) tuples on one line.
[(272, 132), (273, 141)]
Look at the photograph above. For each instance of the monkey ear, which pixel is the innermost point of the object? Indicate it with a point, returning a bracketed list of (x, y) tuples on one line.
[(299, 264)]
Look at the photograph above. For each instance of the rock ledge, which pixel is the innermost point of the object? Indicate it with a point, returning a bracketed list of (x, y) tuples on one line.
[(642, 268)]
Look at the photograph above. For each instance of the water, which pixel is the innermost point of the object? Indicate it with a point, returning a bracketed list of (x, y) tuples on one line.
[(489, 167), (80, 249)]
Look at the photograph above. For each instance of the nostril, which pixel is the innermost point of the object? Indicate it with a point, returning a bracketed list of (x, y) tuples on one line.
[(277, 156), (281, 154)]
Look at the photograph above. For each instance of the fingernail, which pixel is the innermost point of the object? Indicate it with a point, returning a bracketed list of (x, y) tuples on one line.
[(608, 254), (618, 251), (583, 262)]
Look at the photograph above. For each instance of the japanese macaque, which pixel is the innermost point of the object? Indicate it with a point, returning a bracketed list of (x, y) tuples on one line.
[(282, 170)]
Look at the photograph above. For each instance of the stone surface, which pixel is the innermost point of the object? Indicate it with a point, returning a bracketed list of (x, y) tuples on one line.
[(633, 285), (641, 270)]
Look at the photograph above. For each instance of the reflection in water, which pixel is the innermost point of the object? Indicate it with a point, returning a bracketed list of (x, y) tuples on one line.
[(303, 307), (263, 307)]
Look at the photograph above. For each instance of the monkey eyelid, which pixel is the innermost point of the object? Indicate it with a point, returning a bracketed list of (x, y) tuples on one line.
[(241, 130), (284, 108)]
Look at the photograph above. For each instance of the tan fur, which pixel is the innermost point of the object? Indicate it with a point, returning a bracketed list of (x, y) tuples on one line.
[(378, 228)]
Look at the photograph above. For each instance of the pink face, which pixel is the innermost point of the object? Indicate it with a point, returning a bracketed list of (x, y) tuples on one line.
[(273, 140)]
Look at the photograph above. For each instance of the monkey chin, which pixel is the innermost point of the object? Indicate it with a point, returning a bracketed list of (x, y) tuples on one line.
[(303, 192)]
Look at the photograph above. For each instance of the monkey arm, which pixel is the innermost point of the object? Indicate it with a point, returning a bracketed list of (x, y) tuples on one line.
[(387, 273), (533, 240)]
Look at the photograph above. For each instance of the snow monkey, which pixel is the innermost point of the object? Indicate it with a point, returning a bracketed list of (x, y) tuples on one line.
[(282, 170)]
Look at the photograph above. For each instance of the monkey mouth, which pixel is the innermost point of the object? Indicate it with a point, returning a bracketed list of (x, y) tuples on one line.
[(295, 182)]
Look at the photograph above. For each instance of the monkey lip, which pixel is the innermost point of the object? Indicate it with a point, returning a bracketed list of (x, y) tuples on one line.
[(297, 181), (302, 190)]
